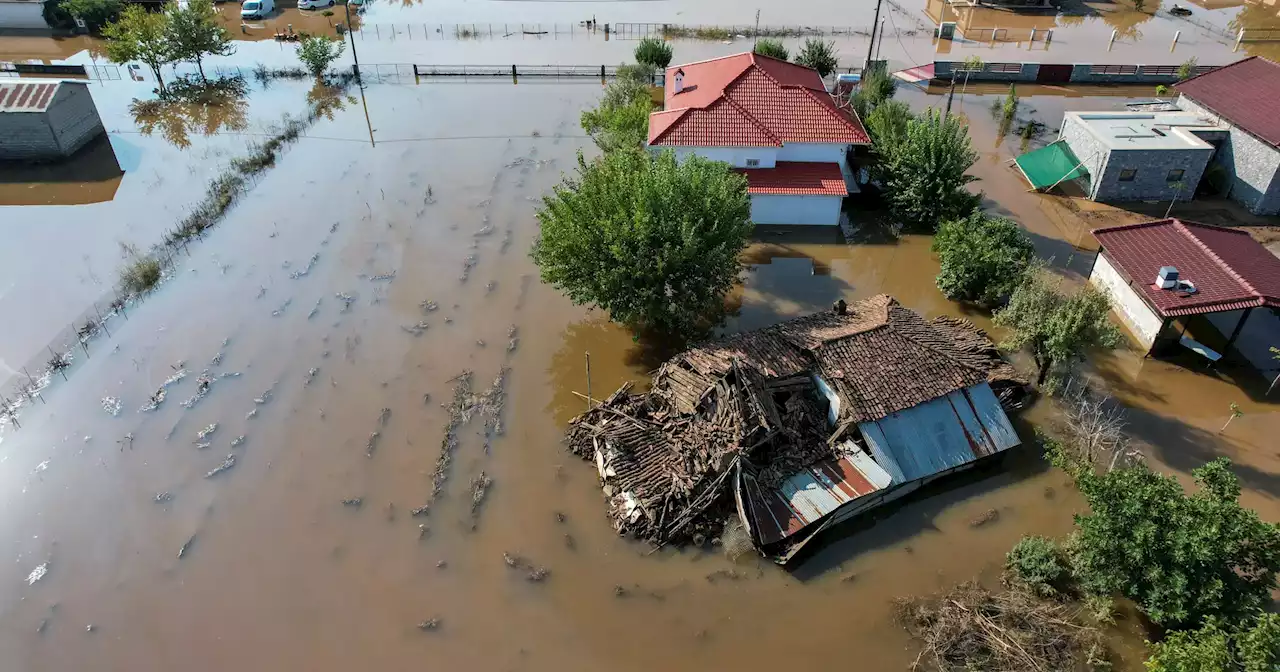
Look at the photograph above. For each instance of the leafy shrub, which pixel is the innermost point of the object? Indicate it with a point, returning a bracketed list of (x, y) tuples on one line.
[(654, 52), (819, 55), (772, 48), (140, 275), (1036, 563)]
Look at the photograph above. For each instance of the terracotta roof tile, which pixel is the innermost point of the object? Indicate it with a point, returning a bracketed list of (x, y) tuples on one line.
[(796, 178), (1244, 93), (787, 101), (1229, 269)]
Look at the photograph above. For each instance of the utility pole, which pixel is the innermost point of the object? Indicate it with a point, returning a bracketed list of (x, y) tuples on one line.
[(755, 37), (871, 47), (347, 5), (951, 94)]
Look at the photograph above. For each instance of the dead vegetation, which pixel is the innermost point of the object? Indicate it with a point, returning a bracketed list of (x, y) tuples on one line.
[(973, 629), (1094, 425)]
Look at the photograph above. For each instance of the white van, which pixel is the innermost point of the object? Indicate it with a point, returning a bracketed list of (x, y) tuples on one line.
[(257, 9)]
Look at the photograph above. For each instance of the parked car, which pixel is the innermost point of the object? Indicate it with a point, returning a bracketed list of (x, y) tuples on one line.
[(256, 9), (314, 4)]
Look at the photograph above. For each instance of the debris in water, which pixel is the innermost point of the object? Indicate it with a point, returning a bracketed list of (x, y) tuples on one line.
[(112, 405), (90, 628), (216, 360), (206, 444), (512, 339), (238, 441), (420, 511), (353, 501), (334, 228), (346, 299), (306, 270), (163, 497), (490, 405), (560, 517), (383, 276), (226, 464), (126, 442), (186, 547), (384, 416), (460, 409), (315, 309), (203, 384), (535, 573), (262, 291), (423, 530), (441, 564), (428, 306), (569, 542), (433, 624), (729, 574), (44, 624), (38, 573), (417, 329), (283, 307), (311, 375), (467, 265), (372, 444), (988, 516), (480, 342), (479, 488), (251, 414), (204, 433), (266, 396)]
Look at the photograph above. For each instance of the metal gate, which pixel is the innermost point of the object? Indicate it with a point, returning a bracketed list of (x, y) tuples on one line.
[(1053, 74)]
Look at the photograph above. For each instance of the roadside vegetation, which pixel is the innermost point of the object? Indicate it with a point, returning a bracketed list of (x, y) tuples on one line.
[(141, 35), (140, 275), (194, 33)]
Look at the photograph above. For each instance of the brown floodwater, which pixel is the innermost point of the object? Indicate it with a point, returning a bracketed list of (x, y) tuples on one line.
[(275, 572)]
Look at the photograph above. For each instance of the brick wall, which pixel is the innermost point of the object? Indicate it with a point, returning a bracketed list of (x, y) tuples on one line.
[(1252, 163)]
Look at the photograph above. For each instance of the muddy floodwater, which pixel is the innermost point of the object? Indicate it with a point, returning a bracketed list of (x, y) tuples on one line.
[(270, 523)]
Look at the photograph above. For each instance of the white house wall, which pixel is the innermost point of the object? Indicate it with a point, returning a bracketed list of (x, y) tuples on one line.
[(734, 156), (811, 152), (1133, 310), (812, 210)]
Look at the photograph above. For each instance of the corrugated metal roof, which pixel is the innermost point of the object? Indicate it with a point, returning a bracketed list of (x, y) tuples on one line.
[(812, 494), (25, 97), (941, 434)]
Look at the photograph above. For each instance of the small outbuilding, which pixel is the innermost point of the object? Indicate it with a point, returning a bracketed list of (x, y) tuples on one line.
[(46, 121), (1163, 274)]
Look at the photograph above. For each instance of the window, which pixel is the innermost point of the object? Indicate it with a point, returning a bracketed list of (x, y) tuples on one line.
[(1175, 175), (1128, 174), (753, 163)]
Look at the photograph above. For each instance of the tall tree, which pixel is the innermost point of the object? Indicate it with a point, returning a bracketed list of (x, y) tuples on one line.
[(95, 13), (1057, 328), (317, 52), (982, 258), (653, 51), (819, 55), (140, 35), (925, 170), (652, 240), (876, 87), (772, 48), (194, 32)]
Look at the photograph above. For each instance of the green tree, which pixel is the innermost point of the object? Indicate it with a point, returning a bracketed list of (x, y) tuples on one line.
[(1187, 68), (924, 170), (982, 258), (652, 240), (772, 48), (1037, 563), (819, 55), (1181, 558), (95, 13), (194, 32), (654, 51), (874, 90), (1255, 647), (139, 35), (316, 52), (1057, 328), (621, 120), (1010, 103)]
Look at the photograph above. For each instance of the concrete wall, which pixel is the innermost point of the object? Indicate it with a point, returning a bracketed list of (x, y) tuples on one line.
[(26, 136), (810, 210), (1080, 73), (1253, 164), (1028, 73), (22, 14), (1132, 309), (73, 117), (734, 156)]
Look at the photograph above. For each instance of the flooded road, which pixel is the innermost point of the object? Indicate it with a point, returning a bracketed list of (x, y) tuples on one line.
[(348, 294)]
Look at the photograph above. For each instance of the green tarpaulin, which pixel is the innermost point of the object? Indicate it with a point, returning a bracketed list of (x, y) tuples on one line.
[(1050, 165)]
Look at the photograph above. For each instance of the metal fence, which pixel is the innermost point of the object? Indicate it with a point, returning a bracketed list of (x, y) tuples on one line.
[(1006, 34), (637, 31), (474, 31)]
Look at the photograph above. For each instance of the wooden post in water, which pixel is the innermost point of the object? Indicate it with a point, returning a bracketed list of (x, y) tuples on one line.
[(588, 380), (1176, 35), (1112, 41), (62, 370)]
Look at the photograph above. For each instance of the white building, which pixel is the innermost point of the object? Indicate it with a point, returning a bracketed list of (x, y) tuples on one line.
[(773, 120)]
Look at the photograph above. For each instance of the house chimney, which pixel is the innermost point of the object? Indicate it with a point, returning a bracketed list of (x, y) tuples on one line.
[(1168, 277), (679, 76)]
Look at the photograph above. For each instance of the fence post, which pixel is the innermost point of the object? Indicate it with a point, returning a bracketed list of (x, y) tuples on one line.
[(1176, 35), (602, 73), (120, 302), (61, 369), (32, 382), (1113, 39), (1239, 39), (101, 321), (1048, 36)]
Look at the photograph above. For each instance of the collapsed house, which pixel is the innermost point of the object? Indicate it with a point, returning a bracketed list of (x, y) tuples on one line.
[(791, 429)]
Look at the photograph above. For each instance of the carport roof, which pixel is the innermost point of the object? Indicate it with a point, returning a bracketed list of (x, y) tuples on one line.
[(1229, 269)]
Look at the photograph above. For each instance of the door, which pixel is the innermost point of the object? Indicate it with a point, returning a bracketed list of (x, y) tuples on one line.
[(1053, 74)]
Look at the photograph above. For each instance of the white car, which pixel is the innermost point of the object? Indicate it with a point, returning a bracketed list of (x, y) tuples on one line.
[(256, 9), (314, 4)]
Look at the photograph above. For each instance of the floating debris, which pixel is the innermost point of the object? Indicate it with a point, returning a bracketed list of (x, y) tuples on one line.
[(334, 228), (266, 396), (179, 374), (428, 306), (490, 405), (306, 270), (186, 547), (353, 502), (441, 564), (203, 383), (417, 329), (112, 405), (430, 625), (163, 497), (38, 573), (420, 511), (372, 444), (384, 416), (467, 265), (283, 307), (512, 339), (460, 409), (226, 464), (311, 375), (44, 624), (560, 517), (383, 277), (479, 488), (262, 291), (988, 516), (216, 360), (206, 444), (346, 299), (90, 628), (252, 413), (534, 573), (204, 433), (315, 309)]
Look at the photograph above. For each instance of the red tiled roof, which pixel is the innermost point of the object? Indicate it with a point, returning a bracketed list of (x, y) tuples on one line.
[(1244, 93), (26, 97), (751, 100), (795, 179), (1229, 269)]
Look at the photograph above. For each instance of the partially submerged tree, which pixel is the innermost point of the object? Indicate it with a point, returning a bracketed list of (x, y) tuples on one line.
[(772, 48), (1187, 69), (317, 52), (621, 120), (140, 35), (1253, 647), (876, 87), (1181, 558), (652, 240), (924, 170), (1095, 427), (654, 51), (94, 13), (1057, 328), (982, 258), (194, 32), (819, 55)]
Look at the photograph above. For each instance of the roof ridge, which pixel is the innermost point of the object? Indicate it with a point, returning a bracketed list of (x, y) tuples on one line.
[(1182, 228)]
